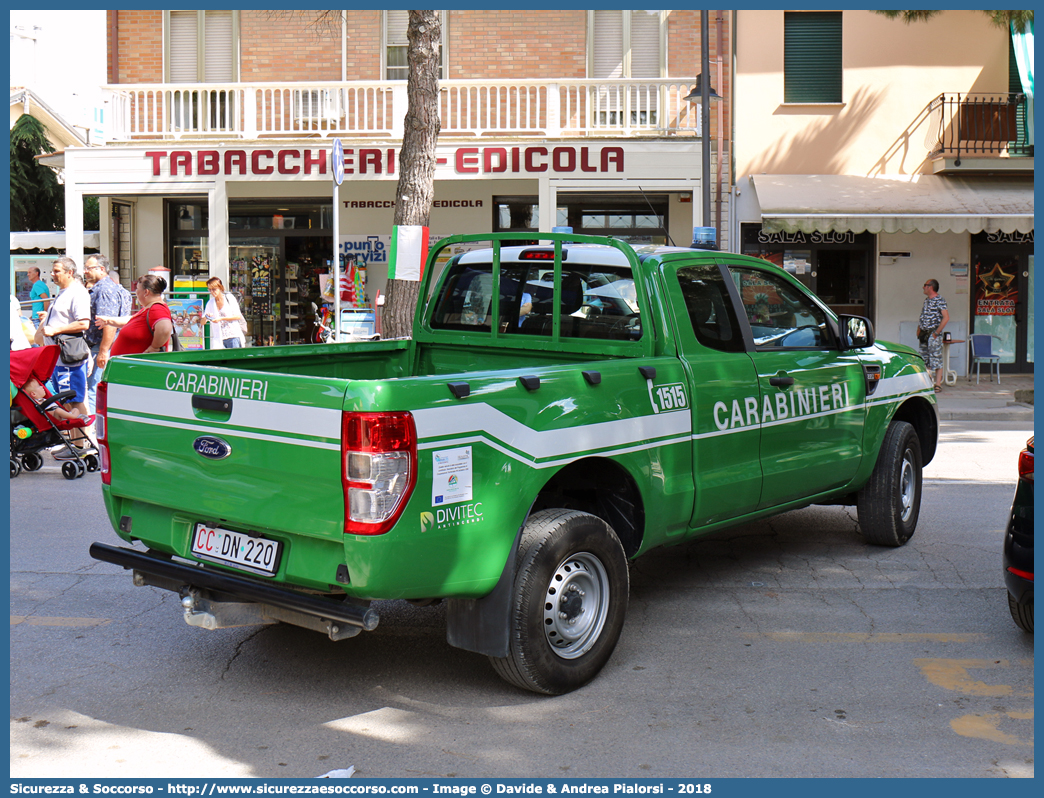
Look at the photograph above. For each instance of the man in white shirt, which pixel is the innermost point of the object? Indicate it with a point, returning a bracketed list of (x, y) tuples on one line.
[(70, 312)]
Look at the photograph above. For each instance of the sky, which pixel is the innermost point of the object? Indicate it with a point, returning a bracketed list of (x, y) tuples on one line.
[(65, 65)]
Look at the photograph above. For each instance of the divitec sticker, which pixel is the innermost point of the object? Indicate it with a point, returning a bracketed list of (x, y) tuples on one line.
[(452, 476)]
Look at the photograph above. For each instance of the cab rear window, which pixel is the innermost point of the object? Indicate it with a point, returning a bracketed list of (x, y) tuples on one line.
[(594, 301)]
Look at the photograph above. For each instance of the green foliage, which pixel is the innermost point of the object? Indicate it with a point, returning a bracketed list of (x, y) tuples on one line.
[(1002, 19), (91, 214), (37, 198)]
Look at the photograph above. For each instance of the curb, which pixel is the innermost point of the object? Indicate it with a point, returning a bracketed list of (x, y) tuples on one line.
[(993, 414)]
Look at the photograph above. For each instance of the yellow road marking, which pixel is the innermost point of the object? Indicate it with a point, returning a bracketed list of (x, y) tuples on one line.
[(870, 637), (76, 623), (987, 727), (953, 674)]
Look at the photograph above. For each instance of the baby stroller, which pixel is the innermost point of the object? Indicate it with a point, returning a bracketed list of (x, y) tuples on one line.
[(32, 429)]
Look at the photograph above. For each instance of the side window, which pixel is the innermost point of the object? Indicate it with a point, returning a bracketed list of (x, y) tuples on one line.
[(780, 316), (710, 309)]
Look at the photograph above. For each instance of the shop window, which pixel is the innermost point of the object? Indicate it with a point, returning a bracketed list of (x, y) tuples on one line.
[(395, 45), (188, 235), (812, 57)]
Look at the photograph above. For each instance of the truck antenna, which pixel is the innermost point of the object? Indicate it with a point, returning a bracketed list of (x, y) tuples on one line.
[(651, 208)]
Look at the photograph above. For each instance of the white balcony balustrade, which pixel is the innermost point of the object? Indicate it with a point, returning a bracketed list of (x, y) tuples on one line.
[(554, 109)]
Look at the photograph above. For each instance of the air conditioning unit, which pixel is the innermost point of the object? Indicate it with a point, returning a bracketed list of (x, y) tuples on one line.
[(312, 105)]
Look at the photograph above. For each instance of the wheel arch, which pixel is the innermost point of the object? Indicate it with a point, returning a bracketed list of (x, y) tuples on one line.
[(603, 488), (922, 416)]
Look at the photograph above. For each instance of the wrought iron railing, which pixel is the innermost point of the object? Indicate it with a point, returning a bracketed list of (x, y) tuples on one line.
[(979, 124), (359, 108)]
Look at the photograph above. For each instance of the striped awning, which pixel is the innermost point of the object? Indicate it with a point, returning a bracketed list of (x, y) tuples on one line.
[(894, 204)]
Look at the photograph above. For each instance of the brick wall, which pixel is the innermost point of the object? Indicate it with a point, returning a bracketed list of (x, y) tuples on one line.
[(297, 46), (140, 43), (517, 44)]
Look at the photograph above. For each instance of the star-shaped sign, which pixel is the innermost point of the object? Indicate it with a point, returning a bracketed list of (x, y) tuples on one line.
[(996, 281)]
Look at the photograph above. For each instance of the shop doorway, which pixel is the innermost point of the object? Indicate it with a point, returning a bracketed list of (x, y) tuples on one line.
[(1002, 302), (278, 251)]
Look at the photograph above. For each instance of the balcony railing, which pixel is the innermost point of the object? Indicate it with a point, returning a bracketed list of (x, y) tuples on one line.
[(562, 108), (979, 125)]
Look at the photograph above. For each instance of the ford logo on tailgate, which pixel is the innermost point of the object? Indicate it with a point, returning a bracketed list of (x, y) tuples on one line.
[(211, 447)]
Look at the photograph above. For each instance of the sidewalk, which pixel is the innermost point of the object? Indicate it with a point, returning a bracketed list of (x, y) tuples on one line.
[(987, 401)]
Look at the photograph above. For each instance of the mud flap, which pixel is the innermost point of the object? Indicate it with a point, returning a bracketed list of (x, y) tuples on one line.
[(482, 625)]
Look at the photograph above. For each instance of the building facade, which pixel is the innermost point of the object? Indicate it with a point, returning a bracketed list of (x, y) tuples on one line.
[(219, 152), (872, 155)]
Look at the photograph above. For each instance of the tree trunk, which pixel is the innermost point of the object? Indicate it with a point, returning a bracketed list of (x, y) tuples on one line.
[(416, 188)]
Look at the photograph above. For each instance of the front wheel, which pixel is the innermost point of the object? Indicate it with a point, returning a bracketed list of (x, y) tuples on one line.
[(568, 603), (890, 502)]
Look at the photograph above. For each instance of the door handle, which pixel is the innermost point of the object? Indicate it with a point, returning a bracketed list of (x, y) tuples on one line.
[(216, 403), (781, 381)]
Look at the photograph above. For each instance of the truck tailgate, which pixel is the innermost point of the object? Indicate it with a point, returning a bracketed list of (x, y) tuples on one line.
[(254, 451)]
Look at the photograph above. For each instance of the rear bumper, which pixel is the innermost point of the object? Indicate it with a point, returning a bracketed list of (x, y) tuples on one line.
[(242, 588)]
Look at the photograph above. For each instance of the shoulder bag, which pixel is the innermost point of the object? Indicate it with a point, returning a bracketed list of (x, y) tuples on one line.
[(74, 348), (175, 344)]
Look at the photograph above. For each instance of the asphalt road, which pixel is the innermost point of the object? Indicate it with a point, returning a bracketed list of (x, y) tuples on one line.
[(786, 648)]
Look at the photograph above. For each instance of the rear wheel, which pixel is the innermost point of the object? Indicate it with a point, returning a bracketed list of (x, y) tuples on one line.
[(16, 467), (32, 461), (569, 602), (890, 502), (1022, 614), (92, 463)]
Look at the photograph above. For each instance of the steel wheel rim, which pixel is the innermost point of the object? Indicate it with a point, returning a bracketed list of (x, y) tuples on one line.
[(576, 605), (907, 488)]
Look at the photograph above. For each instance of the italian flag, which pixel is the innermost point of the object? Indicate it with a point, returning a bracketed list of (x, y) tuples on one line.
[(409, 252)]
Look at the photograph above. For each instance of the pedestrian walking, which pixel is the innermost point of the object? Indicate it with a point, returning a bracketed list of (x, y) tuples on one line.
[(68, 316), (107, 299), (223, 310), (40, 293), (934, 316)]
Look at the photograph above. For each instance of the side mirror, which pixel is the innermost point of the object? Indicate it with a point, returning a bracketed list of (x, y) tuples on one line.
[(856, 332)]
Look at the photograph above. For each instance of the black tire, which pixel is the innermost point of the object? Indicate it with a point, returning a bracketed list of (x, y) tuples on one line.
[(32, 461), (568, 603), (16, 467), (71, 469), (891, 501), (92, 463), (1022, 614)]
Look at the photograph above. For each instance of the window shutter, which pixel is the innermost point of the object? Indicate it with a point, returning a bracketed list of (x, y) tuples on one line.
[(218, 55), (812, 57), (607, 61), (183, 47), (645, 44), (395, 34)]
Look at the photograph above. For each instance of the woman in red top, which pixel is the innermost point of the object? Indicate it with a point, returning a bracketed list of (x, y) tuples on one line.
[(150, 328)]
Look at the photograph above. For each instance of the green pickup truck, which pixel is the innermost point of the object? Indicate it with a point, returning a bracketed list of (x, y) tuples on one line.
[(562, 408)]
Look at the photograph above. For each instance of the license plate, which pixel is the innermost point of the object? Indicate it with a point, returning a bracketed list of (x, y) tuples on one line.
[(244, 551)]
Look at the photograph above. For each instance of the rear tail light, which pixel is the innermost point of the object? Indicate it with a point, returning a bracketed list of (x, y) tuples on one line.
[(378, 469), (1026, 465), (101, 430)]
